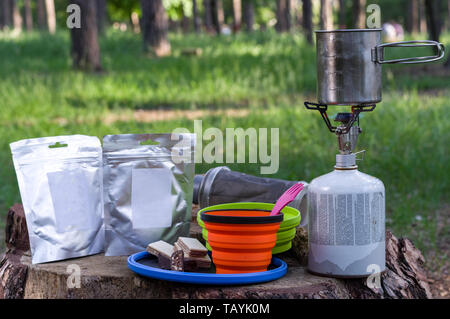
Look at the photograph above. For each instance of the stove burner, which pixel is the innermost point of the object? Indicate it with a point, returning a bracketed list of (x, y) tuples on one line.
[(341, 129)]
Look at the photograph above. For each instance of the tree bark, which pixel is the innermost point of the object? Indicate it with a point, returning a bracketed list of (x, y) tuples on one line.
[(307, 20), (432, 8), (85, 48), (283, 16), (195, 17), (326, 14), (297, 12), (6, 13), (208, 20), (28, 15), (135, 22), (412, 21), (422, 17), (40, 14), (13, 273), (101, 15), (342, 14), (249, 15), (218, 16), (17, 18), (155, 28), (404, 277), (237, 15), (185, 22), (359, 14), (51, 16), (448, 14)]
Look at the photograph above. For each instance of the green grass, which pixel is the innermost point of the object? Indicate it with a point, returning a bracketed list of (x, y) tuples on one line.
[(407, 137)]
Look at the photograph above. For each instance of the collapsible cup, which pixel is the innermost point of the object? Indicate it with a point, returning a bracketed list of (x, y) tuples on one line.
[(241, 239), (285, 234)]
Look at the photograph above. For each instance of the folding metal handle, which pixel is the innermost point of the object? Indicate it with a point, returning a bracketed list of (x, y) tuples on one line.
[(363, 153), (378, 52)]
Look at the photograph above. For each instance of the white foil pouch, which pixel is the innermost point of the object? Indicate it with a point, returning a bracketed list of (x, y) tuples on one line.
[(61, 185), (147, 189)]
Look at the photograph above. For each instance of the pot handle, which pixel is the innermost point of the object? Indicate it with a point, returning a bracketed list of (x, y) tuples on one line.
[(378, 52)]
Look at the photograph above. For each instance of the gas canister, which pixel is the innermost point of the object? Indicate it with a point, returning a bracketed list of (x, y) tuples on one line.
[(346, 211)]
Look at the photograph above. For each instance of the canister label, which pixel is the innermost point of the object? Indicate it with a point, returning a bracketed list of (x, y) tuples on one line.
[(346, 219)]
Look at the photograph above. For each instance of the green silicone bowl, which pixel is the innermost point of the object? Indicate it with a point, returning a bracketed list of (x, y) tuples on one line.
[(284, 235)]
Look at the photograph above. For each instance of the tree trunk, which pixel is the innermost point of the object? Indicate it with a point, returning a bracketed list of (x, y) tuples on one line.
[(307, 20), (297, 12), (208, 9), (51, 17), (28, 15), (17, 244), (326, 14), (17, 18), (195, 16), (237, 15), (218, 16), (101, 15), (6, 13), (40, 14), (359, 14), (448, 14), (185, 21), (412, 21), (155, 28), (432, 8), (422, 17), (404, 277), (85, 48), (249, 15), (342, 15), (135, 22), (283, 16)]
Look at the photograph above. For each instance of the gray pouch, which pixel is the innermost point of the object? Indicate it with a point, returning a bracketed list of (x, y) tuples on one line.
[(147, 189), (61, 185)]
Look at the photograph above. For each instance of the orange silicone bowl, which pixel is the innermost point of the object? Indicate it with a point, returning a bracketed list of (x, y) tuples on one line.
[(241, 239)]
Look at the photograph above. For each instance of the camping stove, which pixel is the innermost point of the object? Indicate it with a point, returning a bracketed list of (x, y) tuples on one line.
[(346, 207)]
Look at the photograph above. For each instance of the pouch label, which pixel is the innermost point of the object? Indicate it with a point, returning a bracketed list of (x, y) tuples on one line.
[(73, 200), (151, 200)]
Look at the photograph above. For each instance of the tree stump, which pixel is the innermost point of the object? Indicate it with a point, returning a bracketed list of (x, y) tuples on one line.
[(109, 277)]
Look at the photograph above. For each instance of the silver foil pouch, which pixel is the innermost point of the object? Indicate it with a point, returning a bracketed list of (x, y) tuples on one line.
[(148, 185), (61, 185)]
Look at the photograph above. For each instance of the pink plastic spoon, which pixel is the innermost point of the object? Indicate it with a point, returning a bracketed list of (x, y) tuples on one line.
[(287, 197)]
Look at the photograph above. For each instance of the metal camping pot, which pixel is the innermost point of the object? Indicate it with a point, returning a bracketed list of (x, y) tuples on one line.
[(349, 64)]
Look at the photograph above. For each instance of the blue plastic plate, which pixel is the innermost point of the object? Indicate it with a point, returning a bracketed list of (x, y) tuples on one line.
[(146, 265)]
